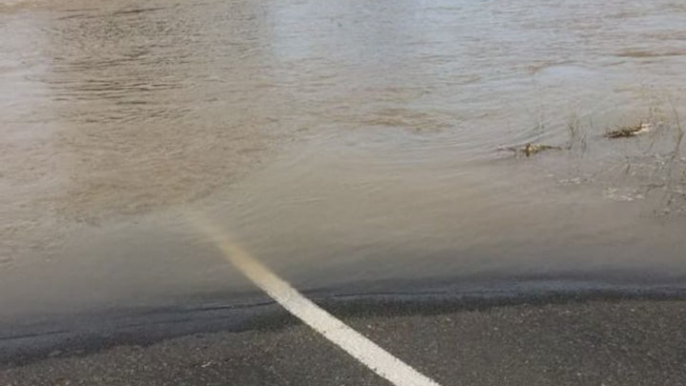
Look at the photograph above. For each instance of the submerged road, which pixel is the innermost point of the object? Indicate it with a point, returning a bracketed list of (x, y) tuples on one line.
[(617, 340)]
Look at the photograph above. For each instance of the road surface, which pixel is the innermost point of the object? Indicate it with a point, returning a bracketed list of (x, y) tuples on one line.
[(569, 342)]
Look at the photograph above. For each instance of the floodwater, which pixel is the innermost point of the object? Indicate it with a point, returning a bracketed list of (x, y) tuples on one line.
[(352, 146)]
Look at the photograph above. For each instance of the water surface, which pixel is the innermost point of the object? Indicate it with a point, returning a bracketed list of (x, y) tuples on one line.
[(352, 146)]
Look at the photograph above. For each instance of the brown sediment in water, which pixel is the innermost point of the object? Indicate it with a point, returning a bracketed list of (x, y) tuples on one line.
[(113, 117), (648, 54)]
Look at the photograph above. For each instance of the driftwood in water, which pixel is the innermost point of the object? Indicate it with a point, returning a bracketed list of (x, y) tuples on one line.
[(530, 149), (628, 131)]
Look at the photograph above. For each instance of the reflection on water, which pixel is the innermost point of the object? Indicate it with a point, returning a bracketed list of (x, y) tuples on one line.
[(344, 142)]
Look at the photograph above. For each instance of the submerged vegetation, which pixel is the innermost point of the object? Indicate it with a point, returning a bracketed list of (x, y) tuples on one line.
[(577, 138), (654, 167)]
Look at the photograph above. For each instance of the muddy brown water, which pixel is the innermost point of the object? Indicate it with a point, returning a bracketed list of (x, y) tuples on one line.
[(350, 145)]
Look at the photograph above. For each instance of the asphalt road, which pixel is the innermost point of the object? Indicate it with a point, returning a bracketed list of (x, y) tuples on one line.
[(593, 342)]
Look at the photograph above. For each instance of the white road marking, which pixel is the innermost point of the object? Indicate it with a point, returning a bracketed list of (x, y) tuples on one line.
[(358, 346)]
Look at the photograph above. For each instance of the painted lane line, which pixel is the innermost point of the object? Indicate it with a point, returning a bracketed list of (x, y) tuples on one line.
[(358, 346)]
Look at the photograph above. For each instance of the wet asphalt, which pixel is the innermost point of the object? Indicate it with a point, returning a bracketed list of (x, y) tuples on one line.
[(594, 342)]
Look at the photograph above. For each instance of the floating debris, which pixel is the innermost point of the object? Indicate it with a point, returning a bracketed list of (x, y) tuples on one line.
[(629, 131), (530, 149), (623, 195), (573, 181)]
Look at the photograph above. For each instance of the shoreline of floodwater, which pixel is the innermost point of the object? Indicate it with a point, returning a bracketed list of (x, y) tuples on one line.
[(88, 333)]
